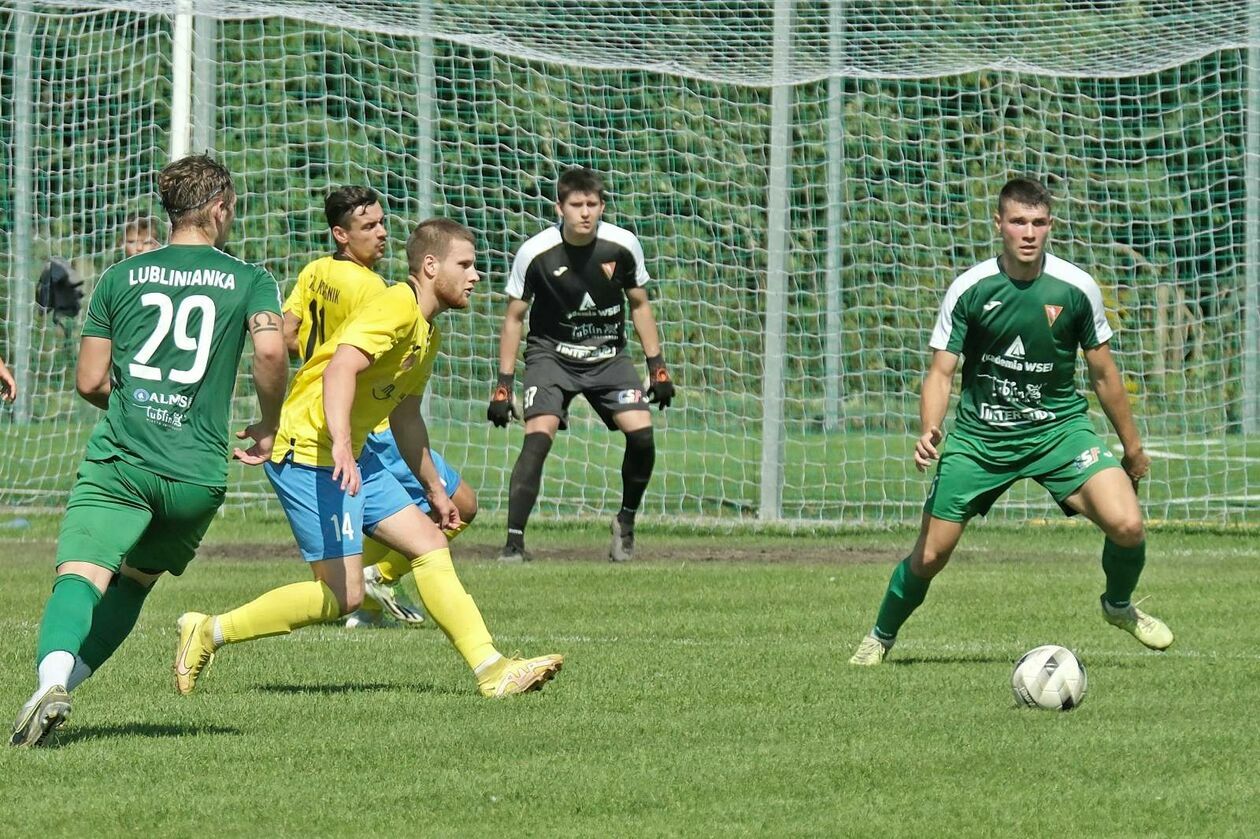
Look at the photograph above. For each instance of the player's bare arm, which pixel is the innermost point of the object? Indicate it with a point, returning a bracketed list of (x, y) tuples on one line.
[(1104, 378), (91, 378), (933, 403), (271, 376), (292, 324), (340, 380), (502, 409), (412, 435), (660, 385)]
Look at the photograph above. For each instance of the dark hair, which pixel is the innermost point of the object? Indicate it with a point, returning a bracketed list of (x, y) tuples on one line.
[(434, 236), (1029, 192), (579, 179), (341, 203), (189, 184)]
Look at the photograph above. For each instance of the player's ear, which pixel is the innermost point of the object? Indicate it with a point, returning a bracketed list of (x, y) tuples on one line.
[(340, 235)]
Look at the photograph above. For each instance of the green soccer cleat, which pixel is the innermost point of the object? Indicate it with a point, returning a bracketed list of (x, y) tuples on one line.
[(41, 716), (1148, 629), (510, 676), (195, 650), (871, 651)]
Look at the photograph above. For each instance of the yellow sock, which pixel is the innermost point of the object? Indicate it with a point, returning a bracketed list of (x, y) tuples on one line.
[(451, 608), (280, 611)]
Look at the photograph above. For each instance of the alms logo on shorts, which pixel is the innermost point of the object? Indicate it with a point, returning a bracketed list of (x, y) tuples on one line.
[(629, 397), (1086, 459), (1052, 313)]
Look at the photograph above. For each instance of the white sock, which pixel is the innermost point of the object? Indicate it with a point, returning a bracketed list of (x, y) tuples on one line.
[(55, 670), (219, 640), (481, 668), (78, 675), (371, 574)]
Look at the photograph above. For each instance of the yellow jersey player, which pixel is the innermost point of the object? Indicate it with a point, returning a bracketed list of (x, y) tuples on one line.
[(328, 290), (376, 365)]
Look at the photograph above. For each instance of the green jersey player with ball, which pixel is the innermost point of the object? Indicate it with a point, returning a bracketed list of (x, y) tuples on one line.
[(1017, 321)]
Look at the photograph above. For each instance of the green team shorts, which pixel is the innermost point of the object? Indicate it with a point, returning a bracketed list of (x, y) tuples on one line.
[(966, 485), (118, 512)]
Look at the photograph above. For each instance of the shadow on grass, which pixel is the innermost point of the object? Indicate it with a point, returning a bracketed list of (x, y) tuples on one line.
[(979, 658), (75, 733), (327, 688)]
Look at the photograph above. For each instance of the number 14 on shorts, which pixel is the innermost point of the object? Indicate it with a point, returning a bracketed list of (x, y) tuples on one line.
[(342, 526)]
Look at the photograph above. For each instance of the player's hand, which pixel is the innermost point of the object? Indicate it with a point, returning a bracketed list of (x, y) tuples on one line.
[(346, 469), (264, 440), (660, 385), (445, 513), (502, 409), (925, 449), (1136, 464), (8, 387)]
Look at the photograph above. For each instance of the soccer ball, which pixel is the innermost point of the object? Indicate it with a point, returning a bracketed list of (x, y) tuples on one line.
[(1049, 677)]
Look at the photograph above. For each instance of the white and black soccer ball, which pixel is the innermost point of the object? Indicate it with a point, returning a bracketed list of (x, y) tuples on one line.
[(1049, 677)]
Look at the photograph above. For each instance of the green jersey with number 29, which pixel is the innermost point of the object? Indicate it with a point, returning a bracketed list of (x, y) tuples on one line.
[(177, 319), (1019, 342)]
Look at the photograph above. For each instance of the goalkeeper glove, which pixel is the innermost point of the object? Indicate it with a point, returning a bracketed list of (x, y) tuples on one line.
[(502, 409), (660, 385)]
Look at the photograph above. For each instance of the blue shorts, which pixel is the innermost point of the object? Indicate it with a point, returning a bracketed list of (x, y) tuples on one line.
[(381, 445), (327, 522)]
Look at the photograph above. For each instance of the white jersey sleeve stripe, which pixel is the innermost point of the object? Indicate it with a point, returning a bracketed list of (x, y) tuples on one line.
[(539, 243), (1069, 273), (945, 320), (630, 242)]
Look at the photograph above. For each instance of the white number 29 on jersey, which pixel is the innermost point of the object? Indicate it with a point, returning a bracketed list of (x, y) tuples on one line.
[(168, 315)]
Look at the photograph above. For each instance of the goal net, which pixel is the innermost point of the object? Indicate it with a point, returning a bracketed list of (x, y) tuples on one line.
[(806, 179)]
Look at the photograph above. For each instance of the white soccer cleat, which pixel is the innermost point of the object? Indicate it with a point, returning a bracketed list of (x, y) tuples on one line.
[(871, 651), (385, 595), (1148, 629)]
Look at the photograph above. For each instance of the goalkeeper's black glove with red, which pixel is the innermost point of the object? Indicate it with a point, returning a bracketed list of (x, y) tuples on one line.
[(502, 409), (660, 385)]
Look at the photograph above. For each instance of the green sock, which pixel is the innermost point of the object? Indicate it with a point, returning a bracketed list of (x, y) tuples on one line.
[(1122, 566), (906, 591), (112, 620), (67, 616)]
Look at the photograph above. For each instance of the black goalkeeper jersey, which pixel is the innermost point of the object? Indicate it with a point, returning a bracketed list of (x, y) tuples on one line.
[(578, 292)]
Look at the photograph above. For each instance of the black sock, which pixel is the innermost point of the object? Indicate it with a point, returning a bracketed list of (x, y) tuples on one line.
[(523, 488), (636, 471)]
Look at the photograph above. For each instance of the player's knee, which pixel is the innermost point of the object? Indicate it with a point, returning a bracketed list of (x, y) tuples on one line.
[(1127, 532), (928, 562), (349, 601), (641, 442)]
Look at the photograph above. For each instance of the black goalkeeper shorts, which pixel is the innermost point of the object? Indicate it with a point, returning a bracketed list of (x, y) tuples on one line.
[(610, 386)]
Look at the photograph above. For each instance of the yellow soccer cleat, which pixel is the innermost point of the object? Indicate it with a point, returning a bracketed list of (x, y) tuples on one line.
[(870, 652), (510, 676), (195, 650), (1148, 629), (41, 716)]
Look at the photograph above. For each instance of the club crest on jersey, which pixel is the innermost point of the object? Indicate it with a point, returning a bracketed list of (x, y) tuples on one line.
[(610, 268), (1052, 313)]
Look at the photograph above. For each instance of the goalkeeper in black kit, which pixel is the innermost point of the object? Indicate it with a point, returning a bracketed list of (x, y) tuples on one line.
[(578, 276)]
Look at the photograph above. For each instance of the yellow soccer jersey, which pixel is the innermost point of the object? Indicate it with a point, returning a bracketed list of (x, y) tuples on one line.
[(402, 345), (328, 291)]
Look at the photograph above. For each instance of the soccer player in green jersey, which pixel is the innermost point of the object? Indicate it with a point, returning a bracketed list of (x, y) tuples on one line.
[(1018, 321), (163, 339)]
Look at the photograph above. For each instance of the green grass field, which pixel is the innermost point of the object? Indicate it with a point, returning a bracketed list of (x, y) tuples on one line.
[(705, 692), (714, 472)]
